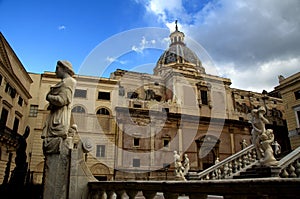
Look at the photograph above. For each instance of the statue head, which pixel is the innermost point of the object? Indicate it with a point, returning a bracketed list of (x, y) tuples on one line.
[(67, 66)]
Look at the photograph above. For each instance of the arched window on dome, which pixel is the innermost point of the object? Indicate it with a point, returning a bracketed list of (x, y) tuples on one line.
[(103, 116), (78, 109)]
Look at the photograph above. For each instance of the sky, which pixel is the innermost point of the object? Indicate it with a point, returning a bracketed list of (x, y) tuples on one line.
[(250, 42)]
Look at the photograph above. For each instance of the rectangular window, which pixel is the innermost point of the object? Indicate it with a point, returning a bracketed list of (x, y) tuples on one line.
[(16, 125), (80, 93), (167, 110), (297, 94), (204, 98), (33, 110), (10, 90), (136, 163), (136, 142), (100, 151), (104, 95), (20, 101), (166, 143), (298, 118), (4, 115), (137, 106)]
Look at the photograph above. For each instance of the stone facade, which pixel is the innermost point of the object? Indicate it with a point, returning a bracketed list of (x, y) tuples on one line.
[(289, 89), (14, 102)]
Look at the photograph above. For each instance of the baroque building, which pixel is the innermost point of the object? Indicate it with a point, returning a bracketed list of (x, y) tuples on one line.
[(14, 101), (136, 120)]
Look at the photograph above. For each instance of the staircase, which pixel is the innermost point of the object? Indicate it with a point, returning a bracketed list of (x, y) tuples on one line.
[(244, 165), (228, 167)]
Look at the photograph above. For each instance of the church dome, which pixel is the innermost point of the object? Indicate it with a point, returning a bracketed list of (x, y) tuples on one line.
[(179, 56)]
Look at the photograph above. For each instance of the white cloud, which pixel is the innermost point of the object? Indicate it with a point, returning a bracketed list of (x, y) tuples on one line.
[(113, 59), (260, 77), (62, 27), (251, 42), (143, 44)]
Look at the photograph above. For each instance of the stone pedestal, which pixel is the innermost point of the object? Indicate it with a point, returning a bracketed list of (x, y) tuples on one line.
[(260, 172), (56, 174)]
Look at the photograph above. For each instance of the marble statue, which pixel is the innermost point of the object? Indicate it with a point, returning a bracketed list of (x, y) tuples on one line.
[(277, 148), (217, 160), (55, 132), (262, 138), (186, 164), (267, 138), (178, 167), (243, 144), (258, 122)]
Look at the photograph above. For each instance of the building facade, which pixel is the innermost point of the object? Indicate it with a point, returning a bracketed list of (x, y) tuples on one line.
[(289, 89), (14, 101), (136, 120)]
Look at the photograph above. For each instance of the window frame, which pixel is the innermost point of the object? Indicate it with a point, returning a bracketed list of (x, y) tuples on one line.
[(100, 151), (106, 94), (136, 142), (33, 110), (80, 93), (136, 162)]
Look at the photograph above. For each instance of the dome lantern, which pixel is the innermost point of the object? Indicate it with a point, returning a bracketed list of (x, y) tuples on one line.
[(179, 56)]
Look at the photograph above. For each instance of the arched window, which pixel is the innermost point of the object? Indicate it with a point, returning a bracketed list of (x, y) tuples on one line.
[(78, 109), (103, 116), (102, 111)]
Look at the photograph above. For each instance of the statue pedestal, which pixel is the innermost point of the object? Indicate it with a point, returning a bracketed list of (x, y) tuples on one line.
[(260, 172)]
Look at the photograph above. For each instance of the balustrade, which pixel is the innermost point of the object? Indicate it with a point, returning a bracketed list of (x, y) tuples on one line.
[(198, 189), (230, 166), (290, 165)]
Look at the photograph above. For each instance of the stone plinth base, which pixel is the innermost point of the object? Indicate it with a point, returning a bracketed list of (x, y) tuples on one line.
[(260, 172)]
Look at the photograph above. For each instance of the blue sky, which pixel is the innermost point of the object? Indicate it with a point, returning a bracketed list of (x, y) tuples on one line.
[(250, 42)]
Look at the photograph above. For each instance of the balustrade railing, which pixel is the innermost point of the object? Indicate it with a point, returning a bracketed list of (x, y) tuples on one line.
[(230, 166), (197, 189), (290, 165)]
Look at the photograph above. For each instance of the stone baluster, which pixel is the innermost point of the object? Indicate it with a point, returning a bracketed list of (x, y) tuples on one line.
[(225, 170), (229, 169), (292, 173), (149, 194), (235, 167), (244, 162), (131, 193), (219, 173), (170, 195), (207, 177), (213, 175), (110, 194), (254, 155), (96, 195), (240, 161), (120, 194), (249, 158), (284, 173), (297, 167)]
